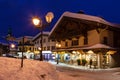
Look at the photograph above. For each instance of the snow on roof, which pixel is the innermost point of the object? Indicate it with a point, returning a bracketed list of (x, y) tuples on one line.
[(84, 17), (44, 32), (13, 42), (3, 41), (99, 46), (24, 36)]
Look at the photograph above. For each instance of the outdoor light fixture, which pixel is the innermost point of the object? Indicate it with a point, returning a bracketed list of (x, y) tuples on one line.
[(39, 48), (58, 45), (12, 49), (12, 46), (37, 21)]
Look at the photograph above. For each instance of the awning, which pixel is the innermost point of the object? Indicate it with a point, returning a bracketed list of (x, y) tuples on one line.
[(96, 46), (99, 46)]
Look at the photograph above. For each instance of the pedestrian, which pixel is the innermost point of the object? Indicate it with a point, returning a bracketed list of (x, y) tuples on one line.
[(90, 63), (57, 60)]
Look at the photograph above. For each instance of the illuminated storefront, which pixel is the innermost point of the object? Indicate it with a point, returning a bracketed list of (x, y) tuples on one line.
[(91, 58)]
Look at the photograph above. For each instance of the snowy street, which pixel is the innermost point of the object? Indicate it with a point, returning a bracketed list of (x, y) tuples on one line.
[(80, 74), (42, 70), (67, 72)]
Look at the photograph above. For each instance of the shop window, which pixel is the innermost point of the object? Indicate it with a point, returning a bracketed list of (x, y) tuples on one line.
[(44, 40), (24, 49), (52, 47), (36, 49), (30, 48), (27, 42), (48, 40), (40, 41), (66, 44), (48, 48), (118, 43), (85, 40), (74, 42), (44, 48), (20, 49), (53, 40), (105, 40), (20, 42)]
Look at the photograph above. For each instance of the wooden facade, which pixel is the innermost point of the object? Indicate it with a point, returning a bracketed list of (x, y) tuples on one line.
[(76, 33)]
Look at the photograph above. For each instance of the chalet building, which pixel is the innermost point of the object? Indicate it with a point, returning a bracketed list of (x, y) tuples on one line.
[(86, 40), (25, 44), (48, 45)]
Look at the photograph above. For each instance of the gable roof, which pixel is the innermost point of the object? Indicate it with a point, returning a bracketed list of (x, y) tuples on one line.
[(30, 37), (38, 35), (82, 18)]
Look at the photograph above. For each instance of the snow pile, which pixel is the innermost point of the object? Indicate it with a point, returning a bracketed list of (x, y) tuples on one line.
[(32, 70)]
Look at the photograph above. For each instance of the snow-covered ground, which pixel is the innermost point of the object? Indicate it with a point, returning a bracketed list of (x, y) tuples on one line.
[(72, 72), (84, 68), (32, 70), (40, 70)]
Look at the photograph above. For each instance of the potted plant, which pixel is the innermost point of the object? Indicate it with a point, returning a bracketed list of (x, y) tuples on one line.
[(84, 62), (78, 61)]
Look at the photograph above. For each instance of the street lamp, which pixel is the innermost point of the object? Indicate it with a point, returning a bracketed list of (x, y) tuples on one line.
[(22, 52), (12, 49), (39, 24), (12, 46)]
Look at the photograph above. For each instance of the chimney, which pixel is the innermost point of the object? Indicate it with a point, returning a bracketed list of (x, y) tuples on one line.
[(81, 12)]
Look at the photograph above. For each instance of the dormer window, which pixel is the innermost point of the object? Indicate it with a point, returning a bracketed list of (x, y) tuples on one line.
[(105, 40)]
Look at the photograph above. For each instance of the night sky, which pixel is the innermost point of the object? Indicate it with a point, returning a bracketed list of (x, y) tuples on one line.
[(17, 14)]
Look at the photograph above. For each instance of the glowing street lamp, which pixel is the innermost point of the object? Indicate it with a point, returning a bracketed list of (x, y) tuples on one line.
[(12, 46), (39, 24), (39, 48), (36, 21), (58, 45)]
